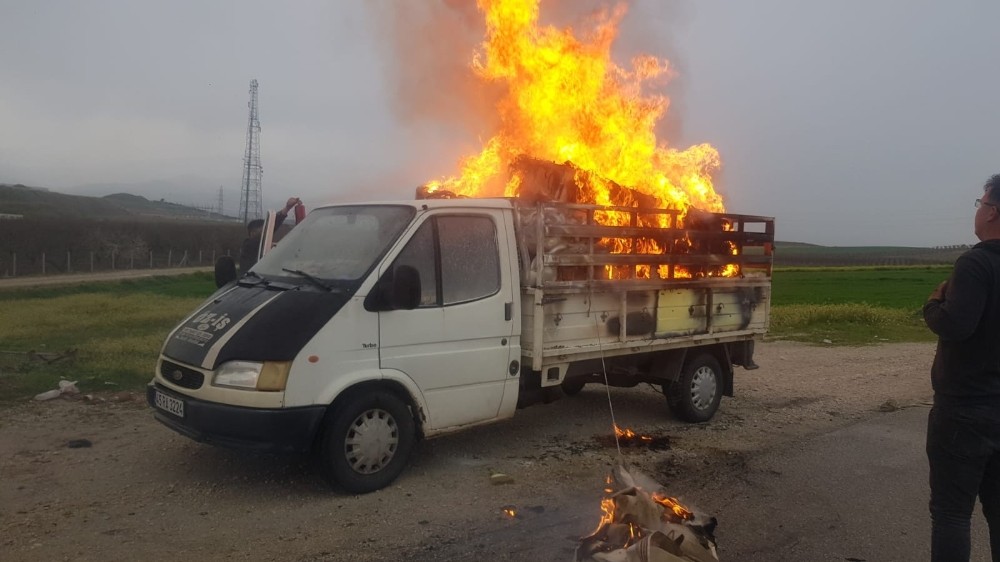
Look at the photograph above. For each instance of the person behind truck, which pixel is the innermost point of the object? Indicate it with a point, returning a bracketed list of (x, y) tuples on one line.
[(963, 427), (251, 246)]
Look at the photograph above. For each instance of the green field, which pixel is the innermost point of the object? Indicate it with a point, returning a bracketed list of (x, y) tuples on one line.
[(901, 287), (853, 305), (114, 329), (117, 328)]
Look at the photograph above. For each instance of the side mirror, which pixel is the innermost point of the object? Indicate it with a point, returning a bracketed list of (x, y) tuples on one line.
[(398, 289), (225, 271), (405, 290)]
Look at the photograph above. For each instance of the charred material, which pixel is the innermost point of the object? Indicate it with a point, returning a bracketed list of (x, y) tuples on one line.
[(642, 523), (568, 239), (636, 324), (548, 182), (629, 439), (432, 192)]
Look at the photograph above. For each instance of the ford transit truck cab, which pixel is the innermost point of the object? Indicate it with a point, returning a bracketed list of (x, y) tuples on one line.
[(371, 326)]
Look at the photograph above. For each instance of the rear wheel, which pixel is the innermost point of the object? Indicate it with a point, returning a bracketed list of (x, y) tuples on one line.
[(367, 443), (695, 396)]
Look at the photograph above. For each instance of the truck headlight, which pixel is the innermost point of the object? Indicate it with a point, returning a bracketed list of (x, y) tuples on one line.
[(238, 374), (253, 375)]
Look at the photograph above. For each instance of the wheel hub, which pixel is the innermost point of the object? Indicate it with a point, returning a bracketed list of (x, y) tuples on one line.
[(703, 388), (371, 441)]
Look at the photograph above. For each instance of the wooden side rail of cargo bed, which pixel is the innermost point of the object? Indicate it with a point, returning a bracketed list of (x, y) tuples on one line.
[(596, 247)]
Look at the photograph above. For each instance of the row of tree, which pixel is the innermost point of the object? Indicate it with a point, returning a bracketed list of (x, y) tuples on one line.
[(81, 244)]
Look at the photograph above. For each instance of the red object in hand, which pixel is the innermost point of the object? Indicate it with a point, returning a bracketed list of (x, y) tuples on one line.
[(300, 213)]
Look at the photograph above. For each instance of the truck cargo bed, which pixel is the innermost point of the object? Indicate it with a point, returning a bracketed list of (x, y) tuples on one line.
[(656, 282)]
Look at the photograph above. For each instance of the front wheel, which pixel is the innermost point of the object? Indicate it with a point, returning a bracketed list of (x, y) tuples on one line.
[(367, 443), (695, 396)]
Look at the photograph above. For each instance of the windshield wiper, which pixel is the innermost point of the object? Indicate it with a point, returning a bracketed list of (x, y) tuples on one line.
[(251, 277), (313, 280)]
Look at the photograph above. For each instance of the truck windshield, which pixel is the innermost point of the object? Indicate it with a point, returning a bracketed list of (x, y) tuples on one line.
[(337, 243)]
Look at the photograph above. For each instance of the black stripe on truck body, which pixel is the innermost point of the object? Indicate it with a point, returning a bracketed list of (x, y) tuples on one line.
[(276, 332), (282, 328)]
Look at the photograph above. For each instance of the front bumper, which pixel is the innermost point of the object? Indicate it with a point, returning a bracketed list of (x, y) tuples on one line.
[(238, 427)]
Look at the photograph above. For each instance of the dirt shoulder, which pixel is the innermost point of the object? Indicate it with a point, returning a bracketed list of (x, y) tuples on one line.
[(139, 491), (74, 278)]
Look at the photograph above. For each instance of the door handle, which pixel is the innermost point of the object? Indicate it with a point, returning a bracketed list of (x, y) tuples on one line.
[(508, 311)]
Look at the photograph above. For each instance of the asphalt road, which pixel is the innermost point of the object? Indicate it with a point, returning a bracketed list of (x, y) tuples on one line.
[(855, 494)]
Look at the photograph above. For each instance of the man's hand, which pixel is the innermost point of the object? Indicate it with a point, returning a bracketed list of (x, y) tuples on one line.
[(938, 293), (292, 201)]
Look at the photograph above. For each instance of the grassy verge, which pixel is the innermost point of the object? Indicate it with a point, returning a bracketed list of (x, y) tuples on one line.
[(847, 324), (116, 330), (853, 305)]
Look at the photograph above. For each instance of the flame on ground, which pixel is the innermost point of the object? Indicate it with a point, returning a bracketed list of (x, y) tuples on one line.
[(639, 521), (674, 506), (673, 512), (629, 435)]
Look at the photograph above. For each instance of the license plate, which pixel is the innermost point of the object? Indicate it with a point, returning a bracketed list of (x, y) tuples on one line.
[(169, 404)]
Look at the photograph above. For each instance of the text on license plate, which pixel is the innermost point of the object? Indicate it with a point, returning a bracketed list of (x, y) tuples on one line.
[(169, 404)]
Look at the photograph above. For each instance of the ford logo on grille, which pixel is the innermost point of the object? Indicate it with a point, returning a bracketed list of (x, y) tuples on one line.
[(177, 375)]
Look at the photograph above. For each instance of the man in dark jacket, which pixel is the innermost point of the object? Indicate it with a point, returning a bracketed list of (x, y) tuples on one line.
[(963, 428), (251, 245)]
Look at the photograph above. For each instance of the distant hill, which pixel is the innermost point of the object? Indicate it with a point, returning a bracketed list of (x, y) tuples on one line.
[(796, 245), (796, 254), (36, 202)]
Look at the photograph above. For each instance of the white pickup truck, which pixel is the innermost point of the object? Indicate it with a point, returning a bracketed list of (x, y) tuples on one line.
[(370, 326)]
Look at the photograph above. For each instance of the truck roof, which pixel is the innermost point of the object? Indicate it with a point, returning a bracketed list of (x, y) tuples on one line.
[(476, 202), (507, 203)]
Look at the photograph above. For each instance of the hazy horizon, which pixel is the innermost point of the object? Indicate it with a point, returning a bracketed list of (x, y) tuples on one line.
[(852, 123)]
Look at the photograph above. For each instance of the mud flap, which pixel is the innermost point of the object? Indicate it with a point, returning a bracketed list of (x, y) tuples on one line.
[(742, 354)]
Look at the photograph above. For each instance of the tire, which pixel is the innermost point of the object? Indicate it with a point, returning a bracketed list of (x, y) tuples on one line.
[(572, 387), (696, 395), (366, 444)]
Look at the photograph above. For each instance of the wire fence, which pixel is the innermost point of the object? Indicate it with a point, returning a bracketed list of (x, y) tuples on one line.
[(60, 263)]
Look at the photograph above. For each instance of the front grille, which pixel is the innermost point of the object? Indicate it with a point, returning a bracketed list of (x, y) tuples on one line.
[(181, 376)]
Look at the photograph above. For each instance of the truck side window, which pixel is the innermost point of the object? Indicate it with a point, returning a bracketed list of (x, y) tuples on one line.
[(419, 253), (466, 255), (470, 264)]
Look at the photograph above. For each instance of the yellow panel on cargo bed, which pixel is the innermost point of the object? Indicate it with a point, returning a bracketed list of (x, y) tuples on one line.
[(680, 311)]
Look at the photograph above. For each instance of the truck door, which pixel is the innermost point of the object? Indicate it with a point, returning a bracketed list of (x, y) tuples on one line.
[(456, 344), (266, 235)]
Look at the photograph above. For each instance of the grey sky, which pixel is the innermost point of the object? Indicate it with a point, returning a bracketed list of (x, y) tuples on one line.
[(852, 122)]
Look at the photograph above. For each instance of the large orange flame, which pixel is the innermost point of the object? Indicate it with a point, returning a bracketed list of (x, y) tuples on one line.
[(566, 100)]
